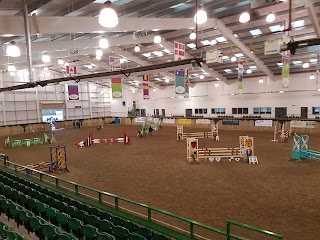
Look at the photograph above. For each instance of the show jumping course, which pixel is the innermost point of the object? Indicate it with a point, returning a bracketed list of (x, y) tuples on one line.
[(246, 149), (300, 148), (284, 135), (213, 134), (125, 140), (58, 161), (28, 142)]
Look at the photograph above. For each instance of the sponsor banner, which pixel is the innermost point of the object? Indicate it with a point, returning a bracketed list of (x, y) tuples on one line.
[(302, 124), (156, 120), (285, 69), (184, 121), (145, 86), (73, 92), (179, 51), (186, 83), (240, 76), (169, 120), (272, 46), (202, 121), (116, 85), (143, 119), (114, 63), (263, 123), (230, 122)]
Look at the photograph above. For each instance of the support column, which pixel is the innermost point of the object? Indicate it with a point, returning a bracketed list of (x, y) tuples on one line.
[(66, 98), (28, 39), (3, 102), (38, 105), (89, 97)]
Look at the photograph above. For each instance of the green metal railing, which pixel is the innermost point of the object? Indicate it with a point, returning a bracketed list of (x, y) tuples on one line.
[(149, 219)]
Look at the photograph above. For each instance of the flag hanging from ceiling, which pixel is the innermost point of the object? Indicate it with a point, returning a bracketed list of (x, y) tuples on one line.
[(179, 51), (240, 76), (285, 69), (71, 70), (145, 86), (180, 80), (114, 63), (73, 92), (116, 85)]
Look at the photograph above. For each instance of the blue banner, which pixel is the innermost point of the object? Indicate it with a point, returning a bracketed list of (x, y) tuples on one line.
[(230, 122)]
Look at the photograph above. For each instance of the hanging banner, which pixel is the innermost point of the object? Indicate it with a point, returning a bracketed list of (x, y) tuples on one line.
[(230, 122), (180, 82), (263, 123), (302, 124), (285, 69), (145, 86), (186, 84), (240, 76), (116, 85), (184, 121), (114, 63), (168, 120), (202, 121), (73, 92), (179, 51)]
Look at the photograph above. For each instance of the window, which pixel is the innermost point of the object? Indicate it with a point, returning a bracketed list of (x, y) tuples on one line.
[(240, 110), (157, 112), (263, 110), (201, 111), (218, 110), (316, 110), (163, 112)]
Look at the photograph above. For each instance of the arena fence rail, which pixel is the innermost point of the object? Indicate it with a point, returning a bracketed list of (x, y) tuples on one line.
[(97, 198)]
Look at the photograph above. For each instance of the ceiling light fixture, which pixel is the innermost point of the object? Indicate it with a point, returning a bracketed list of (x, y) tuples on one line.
[(137, 48), (99, 52), (60, 61), (200, 17), (233, 59), (98, 57), (11, 68), (46, 58), (157, 39), (312, 76), (270, 18), (108, 16), (193, 35), (260, 80), (66, 64), (201, 76), (244, 17), (154, 90), (167, 80), (306, 65), (213, 42), (13, 50), (103, 43), (249, 71), (12, 74), (216, 85)]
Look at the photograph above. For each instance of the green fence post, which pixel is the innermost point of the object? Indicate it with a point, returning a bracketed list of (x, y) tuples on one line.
[(116, 202), (57, 182), (149, 215), (228, 230), (100, 197), (191, 231), (76, 189), (41, 176)]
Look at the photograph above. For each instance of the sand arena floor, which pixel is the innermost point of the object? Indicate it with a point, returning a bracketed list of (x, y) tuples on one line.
[(278, 195)]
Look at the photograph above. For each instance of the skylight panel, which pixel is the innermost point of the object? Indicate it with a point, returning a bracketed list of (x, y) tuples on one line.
[(275, 28), (146, 55), (225, 57), (297, 62), (255, 32), (253, 67), (228, 70), (177, 5), (221, 39), (205, 42), (191, 45), (239, 55), (279, 64), (314, 60), (297, 24)]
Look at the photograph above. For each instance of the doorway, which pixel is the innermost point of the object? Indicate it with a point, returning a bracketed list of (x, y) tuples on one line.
[(304, 112), (280, 112), (188, 112)]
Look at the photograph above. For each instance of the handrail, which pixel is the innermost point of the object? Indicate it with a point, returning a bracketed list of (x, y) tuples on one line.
[(192, 224), (246, 226)]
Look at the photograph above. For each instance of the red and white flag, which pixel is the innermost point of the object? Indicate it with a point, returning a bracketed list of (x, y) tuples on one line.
[(71, 70)]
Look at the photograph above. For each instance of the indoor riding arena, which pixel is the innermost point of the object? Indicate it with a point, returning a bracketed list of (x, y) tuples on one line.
[(159, 120)]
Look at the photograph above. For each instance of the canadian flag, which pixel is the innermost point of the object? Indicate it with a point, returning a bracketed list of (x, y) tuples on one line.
[(71, 70)]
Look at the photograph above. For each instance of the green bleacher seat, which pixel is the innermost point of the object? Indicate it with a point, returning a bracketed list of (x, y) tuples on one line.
[(90, 232), (135, 236), (120, 233)]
